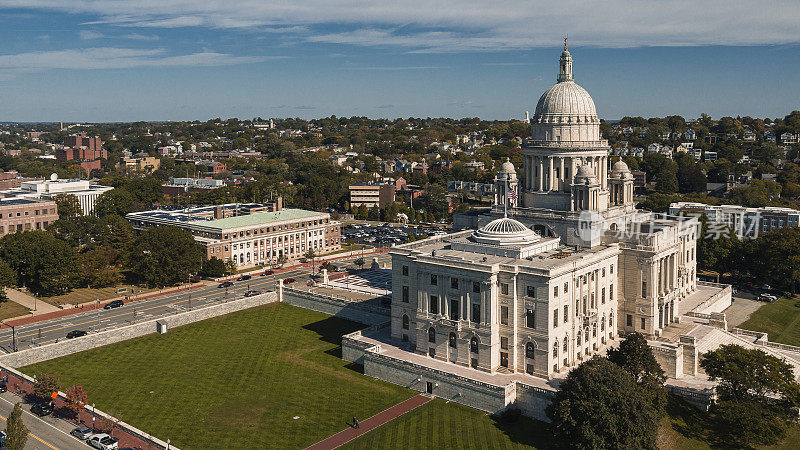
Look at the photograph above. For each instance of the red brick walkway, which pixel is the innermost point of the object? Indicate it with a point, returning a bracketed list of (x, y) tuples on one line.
[(367, 425)]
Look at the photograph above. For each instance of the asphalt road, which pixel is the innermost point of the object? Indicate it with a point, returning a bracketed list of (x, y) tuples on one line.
[(99, 320), (45, 432)]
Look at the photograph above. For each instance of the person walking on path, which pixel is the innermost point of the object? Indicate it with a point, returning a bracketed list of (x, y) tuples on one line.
[(355, 422)]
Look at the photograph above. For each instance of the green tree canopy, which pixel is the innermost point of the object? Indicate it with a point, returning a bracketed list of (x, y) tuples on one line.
[(42, 263), (68, 206), (116, 201), (165, 255), (16, 432)]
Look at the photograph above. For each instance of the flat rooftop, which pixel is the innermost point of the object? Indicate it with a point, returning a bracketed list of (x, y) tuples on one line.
[(203, 216)]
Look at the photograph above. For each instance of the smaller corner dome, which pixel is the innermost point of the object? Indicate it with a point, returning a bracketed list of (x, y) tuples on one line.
[(620, 170), (507, 167), (585, 175), (505, 231)]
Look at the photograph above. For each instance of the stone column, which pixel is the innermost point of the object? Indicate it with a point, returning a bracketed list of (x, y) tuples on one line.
[(562, 176), (541, 174)]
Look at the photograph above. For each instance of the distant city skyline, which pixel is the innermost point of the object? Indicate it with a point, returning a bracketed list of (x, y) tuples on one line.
[(107, 61)]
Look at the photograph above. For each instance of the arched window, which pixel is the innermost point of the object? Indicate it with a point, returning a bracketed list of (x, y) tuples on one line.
[(431, 335), (405, 322), (611, 321), (566, 344), (594, 329), (530, 350), (473, 345), (555, 349), (578, 339), (452, 340)]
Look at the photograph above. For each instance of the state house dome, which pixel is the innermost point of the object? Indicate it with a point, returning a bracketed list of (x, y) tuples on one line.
[(505, 231), (565, 112)]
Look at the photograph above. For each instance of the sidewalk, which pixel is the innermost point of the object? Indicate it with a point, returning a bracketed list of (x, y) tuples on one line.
[(28, 301), (373, 422)]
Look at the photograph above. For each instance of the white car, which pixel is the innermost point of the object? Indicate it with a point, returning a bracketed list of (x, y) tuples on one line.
[(103, 441)]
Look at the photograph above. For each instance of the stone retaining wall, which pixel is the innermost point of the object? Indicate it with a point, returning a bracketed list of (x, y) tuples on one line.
[(93, 340), (356, 311)]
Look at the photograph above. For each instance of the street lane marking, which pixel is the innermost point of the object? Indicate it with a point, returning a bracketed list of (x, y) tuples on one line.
[(35, 436)]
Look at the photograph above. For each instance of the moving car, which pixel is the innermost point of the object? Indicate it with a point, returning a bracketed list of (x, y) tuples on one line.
[(114, 304), (244, 278), (76, 333), (83, 433), (225, 284), (42, 409), (289, 281), (251, 293), (103, 441), (267, 272)]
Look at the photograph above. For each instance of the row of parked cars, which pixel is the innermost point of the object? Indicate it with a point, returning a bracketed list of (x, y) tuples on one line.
[(385, 235), (101, 441)]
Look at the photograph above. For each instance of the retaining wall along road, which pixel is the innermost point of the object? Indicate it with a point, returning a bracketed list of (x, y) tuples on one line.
[(93, 340), (356, 311)]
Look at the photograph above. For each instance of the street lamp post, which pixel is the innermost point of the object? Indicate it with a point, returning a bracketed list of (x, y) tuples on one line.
[(93, 417), (13, 336)]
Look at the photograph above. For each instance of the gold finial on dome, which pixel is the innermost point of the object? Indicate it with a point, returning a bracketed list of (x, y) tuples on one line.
[(565, 42)]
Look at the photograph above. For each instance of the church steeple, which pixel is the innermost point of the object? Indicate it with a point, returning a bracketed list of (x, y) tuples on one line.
[(565, 72)]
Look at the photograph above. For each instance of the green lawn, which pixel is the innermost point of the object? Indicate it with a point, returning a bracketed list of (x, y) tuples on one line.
[(235, 381), (9, 309), (83, 295), (780, 319), (442, 425)]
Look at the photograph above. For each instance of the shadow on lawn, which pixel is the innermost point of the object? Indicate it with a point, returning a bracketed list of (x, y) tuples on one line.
[(525, 431), (332, 329)]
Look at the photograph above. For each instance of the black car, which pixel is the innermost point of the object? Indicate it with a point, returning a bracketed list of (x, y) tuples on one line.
[(3, 387), (114, 304), (42, 409), (251, 293), (225, 284), (244, 278), (76, 333)]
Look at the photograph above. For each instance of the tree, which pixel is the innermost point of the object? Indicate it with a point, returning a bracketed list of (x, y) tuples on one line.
[(230, 267), (636, 357), (359, 262), (116, 201), (600, 405), (68, 206), (76, 399), (45, 385), (757, 394), (44, 264), (165, 255), (282, 259), (213, 268), (16, 432)]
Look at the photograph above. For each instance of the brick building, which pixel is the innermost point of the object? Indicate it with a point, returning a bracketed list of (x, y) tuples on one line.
[(22, 214)]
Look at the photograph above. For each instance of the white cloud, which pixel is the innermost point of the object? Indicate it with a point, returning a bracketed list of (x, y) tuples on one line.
[(142, 37), (464, 25), (115, 58), (88, 35)]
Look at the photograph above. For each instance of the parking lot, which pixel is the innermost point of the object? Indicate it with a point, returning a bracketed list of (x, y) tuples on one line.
[(385, 235)]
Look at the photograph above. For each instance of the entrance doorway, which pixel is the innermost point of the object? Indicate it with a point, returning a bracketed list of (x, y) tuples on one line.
[(504, 359), (429, 387)]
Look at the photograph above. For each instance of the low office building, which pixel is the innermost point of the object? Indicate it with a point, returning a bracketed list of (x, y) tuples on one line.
[(250, 234), (22, 214), (179, 186), (371, 195), (745, 222), (86, 191)]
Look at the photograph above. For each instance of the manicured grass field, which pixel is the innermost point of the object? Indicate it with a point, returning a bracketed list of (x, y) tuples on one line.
[(442, 425), (83, 295), (780, 319), (236, 381), (10, 309)]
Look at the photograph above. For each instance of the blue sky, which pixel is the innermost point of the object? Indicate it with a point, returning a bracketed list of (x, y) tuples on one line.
[(112, 60)]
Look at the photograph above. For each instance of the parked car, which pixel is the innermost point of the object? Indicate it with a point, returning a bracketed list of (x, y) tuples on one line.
[(42, 409), (82, 433), (251, 293), (3, 387), (767, 298), (76, 333), (3, 437), (114, 304), (103, 441), (766, 287), (267, 272), (244, 278), (289, 281), (225, 284)]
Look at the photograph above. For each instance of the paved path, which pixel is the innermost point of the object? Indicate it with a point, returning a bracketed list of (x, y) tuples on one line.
[(373, 422), (740, 310), (28, 301)]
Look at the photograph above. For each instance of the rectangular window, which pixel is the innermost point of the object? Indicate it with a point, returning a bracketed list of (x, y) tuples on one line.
[(530, 291), (643, 323), (476, 313), (611, 269), (629, 321), (433, 306), (566, 313), (453, 283), (603, 296), (405, 271), (405, 294), (555, 291), (504, 343), (566, 287), (530, 318), (476, 287), (504, 315), (555, 318), (604, 272), (610, 292), (644, 288), (434, 280), (454, 307), (504, 288)]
